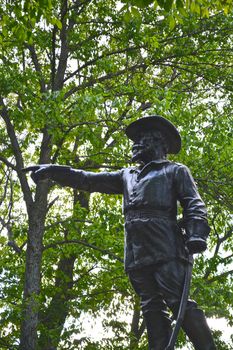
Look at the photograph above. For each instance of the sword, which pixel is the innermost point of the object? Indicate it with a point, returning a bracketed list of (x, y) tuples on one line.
[(183, 303)]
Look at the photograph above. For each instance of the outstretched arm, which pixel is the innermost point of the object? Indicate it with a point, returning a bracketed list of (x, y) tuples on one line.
[(104, 182)]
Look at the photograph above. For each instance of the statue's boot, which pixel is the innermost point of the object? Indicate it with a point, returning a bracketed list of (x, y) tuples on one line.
[(197, 329), (159, 329)]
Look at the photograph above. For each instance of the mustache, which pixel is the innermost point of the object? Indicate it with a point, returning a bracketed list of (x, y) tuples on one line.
[(138, 147)]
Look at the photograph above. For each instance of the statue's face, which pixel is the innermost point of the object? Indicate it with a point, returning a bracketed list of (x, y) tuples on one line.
[(148, 147)]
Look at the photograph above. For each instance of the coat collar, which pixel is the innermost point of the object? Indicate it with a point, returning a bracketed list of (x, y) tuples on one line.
[(152, 164)]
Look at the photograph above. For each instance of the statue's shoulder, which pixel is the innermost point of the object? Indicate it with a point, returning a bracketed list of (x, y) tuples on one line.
[(180, 170), (177, 167), (175, 164)]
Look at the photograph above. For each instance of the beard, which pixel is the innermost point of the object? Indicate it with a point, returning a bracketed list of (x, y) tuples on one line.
[(146, 155)]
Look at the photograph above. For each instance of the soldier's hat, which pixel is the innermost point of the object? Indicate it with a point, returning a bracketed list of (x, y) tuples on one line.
[(156, 122)]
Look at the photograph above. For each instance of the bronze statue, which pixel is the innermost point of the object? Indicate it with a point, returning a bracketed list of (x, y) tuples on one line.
[(156, 249)]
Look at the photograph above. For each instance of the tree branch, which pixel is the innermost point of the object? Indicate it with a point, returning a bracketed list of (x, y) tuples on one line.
[(18, 155), (86, 244), (93, 81), (7, 163), (37, 66), (219, 277), (53, 57), (5, 185), (64, 51), (94, 60)]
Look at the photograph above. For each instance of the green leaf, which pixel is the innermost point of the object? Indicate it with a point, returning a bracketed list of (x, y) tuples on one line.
[(127, 16), (56, 22), (205, 13), (135, 12), (141, 3), (168, 5), (195, 7), (172, 22), (180, 4)]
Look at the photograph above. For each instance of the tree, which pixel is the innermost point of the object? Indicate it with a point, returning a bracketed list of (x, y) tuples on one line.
[(73, 75), (196, 6)]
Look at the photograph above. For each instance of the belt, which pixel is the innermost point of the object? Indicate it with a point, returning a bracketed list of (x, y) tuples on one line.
[(147, 214)]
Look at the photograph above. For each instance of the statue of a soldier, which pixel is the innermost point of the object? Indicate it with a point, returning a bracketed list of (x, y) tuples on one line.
[(155, 248)]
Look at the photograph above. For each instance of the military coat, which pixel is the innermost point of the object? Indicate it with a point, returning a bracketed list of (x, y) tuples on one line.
[(150, 197)]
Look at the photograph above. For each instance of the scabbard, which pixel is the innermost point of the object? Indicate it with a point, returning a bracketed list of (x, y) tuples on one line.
[(183, 303)]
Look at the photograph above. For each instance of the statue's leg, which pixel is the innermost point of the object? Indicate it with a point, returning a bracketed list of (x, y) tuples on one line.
[(158, 327), (154, 309), (197, 329), (170, 278)]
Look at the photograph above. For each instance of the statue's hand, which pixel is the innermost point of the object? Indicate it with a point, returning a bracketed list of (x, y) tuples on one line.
[(196, 245), (47, 171), (40, 172)]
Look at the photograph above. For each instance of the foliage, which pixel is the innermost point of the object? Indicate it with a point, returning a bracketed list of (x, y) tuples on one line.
[(196, 6), (73, 74), (176, 9)]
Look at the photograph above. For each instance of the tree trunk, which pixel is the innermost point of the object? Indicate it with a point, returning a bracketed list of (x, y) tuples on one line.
[(137, 326), (31, 304), (52, 321), (32, 286)]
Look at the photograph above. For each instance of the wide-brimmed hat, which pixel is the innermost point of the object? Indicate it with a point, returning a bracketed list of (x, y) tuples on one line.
[(156, 122)]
